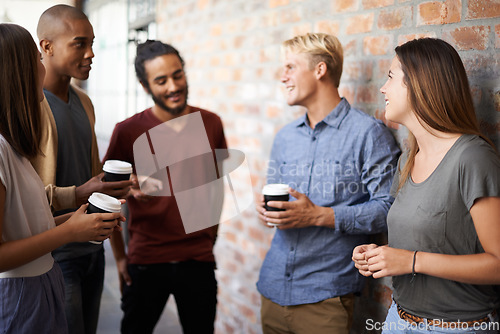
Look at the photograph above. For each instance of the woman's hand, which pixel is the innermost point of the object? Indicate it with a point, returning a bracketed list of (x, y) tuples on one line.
[(387, 261), (97, 226), (359, 258)]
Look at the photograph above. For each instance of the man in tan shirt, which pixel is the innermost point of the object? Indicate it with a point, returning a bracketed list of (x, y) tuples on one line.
[(70, 166)]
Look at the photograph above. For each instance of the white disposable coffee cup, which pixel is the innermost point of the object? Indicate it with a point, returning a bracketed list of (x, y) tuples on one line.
[(275, 192), (102, 203), (116, 170)]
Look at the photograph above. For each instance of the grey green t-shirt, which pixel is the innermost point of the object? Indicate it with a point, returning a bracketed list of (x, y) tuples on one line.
[(433, 216), (74, 147)]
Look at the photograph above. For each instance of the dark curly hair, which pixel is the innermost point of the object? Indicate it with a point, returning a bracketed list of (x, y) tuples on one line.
[(150, 50)]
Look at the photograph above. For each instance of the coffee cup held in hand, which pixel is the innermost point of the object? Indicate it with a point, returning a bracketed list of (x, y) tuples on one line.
[(116, 170), (102, 203), (275, 192)]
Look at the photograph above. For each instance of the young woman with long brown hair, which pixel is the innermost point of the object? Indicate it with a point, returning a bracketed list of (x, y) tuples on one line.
[(444, 226), (31, 284)]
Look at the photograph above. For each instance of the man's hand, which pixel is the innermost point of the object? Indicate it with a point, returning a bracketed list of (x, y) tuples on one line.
[(123, 275), (298, 214), (260, 206), (136, 192), (118, 189), (118, 246)]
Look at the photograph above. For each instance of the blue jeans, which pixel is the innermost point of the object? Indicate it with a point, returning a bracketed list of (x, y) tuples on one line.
[(193, 285), (395, 325), (83, 283)]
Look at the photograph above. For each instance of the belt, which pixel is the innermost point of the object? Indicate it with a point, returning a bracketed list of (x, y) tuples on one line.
[(440, 323)]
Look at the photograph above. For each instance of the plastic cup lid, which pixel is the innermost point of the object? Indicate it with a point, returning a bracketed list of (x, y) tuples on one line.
[(117, 167), (105, 202), (275, 189)]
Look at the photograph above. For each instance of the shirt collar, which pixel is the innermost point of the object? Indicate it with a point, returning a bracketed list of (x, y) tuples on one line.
[(333, 119)]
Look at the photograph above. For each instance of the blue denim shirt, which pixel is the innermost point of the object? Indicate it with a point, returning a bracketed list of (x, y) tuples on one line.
[(346, 162)]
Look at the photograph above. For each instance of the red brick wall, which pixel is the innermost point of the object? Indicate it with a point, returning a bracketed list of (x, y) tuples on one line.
[(231, 48)]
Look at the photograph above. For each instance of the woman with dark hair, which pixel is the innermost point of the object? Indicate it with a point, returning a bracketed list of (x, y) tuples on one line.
[(31, 284), (444, 226)]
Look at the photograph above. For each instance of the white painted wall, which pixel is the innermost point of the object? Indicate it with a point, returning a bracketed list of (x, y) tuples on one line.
[(26, 12)]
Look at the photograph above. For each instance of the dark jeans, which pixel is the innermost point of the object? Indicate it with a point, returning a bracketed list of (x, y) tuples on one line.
[(83, 282), (194, 288)]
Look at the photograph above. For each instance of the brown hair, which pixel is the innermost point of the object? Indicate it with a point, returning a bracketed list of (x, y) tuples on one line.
[(321, 48), (20, 115), (438, 91)]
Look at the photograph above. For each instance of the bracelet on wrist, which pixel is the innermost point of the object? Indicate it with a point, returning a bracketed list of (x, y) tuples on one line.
[(413, 273)]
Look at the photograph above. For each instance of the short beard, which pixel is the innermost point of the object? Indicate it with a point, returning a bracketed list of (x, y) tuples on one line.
[(173, 111)]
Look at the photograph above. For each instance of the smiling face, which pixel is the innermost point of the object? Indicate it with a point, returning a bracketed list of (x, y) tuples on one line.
[(299, 79), (72, 52), (397, 107), (167, 83)]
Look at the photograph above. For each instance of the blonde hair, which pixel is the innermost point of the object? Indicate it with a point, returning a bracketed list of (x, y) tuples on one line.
[(320, 48)]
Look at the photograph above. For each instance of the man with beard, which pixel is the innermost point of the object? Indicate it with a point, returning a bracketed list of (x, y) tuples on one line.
[(162, 259)]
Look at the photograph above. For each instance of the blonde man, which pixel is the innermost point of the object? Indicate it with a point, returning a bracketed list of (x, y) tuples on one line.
[(339, 163)]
